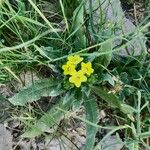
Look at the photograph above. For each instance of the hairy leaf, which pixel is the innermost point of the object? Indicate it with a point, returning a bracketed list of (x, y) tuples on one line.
[(113, 101), (56, 113), (110, 98), (78, 29), (106, 58), (50, 118), (45, 87), (49, 52), (92, 116), (33, 132)]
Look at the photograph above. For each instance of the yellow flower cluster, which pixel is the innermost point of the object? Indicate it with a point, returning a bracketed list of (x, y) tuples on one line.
[(77, 77)]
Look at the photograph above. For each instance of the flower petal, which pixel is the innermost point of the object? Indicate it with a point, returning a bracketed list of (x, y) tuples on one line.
[(78, 84)]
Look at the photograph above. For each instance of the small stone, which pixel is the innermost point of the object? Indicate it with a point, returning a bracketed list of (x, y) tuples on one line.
[(112, 143), (5, 138)]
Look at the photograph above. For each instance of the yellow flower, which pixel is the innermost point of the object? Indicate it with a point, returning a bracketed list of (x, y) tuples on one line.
[(69, 69), (87, 68), (77, 78), (74, 59)]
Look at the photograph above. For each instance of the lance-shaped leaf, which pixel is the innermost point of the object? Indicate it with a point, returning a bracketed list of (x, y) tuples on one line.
[(50, 118), (92, 116), (113, 100), (105, 59), (42, 88), (78, 26)]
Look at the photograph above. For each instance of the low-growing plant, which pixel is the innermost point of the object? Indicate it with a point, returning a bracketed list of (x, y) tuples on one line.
[(84, 70)]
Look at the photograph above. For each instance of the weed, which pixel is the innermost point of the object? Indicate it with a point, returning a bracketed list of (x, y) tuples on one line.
[(32, 37)]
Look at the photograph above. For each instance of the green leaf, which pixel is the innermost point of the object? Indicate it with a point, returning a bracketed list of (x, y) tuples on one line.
[(69, 6), (69, 95), (110, 98), (45, 87), (56, 113), (48, 52), (114, 101), (145, 135), (91, 109), (77, 103), (106, 58), (78, 29), (78, 100), (32, 133), (109, 79), (50, 118), (87, 89), (127, 109)]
